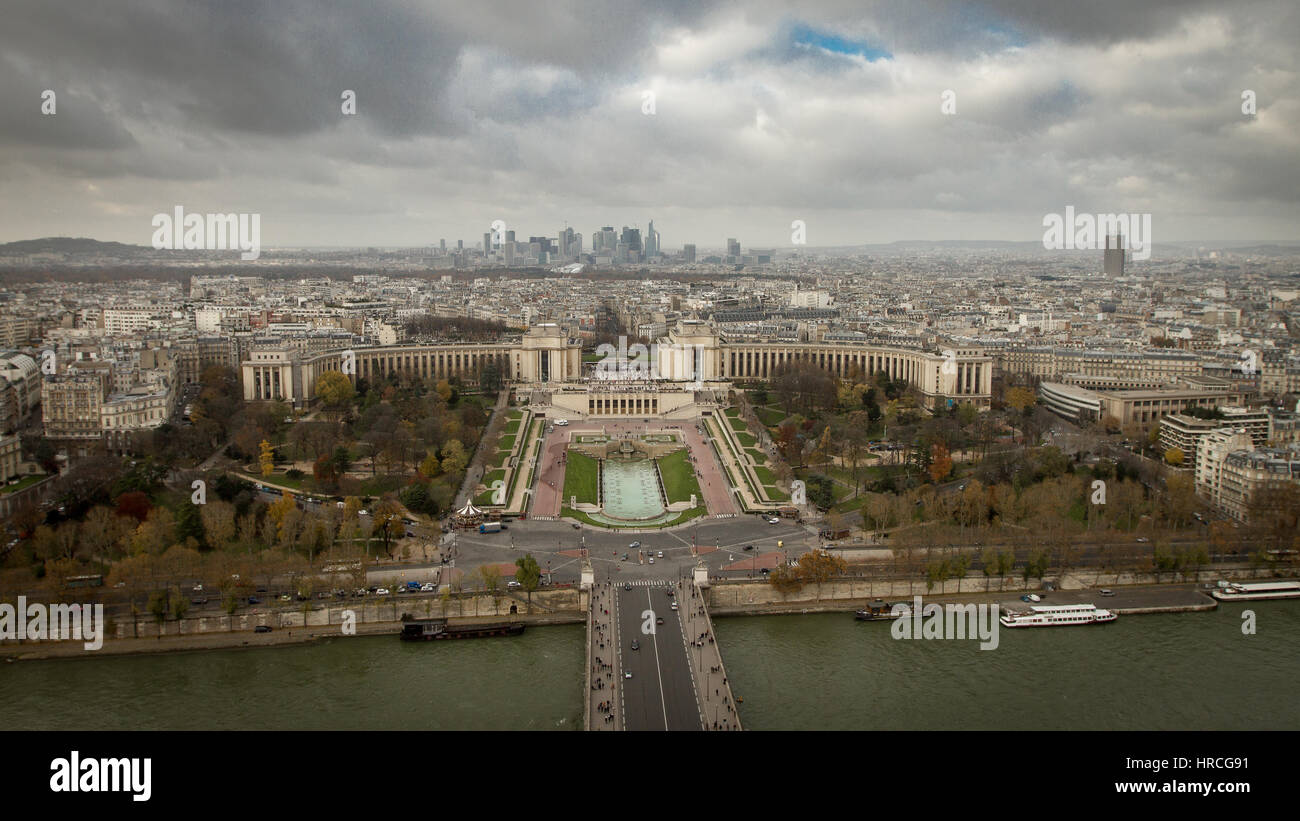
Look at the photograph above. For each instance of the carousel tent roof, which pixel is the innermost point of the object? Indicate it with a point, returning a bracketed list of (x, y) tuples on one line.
[(469, 510)]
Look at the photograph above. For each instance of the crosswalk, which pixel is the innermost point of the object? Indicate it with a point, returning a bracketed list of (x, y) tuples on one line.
[(646, 582)]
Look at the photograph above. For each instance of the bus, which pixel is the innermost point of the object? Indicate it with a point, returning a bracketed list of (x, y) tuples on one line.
[(84, 581)]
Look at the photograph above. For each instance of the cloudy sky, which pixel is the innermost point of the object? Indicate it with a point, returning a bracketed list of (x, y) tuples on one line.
[(763, 113)]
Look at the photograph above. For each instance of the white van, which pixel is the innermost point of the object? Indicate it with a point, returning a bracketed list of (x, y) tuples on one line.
[(559, 423)]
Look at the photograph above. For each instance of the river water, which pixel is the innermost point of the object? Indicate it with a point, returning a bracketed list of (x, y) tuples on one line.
[(1167, 672), (1179, 671)]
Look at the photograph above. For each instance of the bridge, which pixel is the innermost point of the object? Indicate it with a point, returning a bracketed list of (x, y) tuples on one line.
[(674, 679)]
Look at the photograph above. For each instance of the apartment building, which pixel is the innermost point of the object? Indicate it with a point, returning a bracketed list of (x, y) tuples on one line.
[(1185, 432)]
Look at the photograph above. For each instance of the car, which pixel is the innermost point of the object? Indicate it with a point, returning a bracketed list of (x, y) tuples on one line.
[(254, 600), (559, 423), (1031, 597), (659, 620), (765, 570), (635, 645), (628, 674), (322, 595), (1105, 591), (363, 513), (661, 554), (199, 601), (383, 591), (428, 587), (652, 560), (1143, 539), (285, 597), (674, 605), (634, 546), (624, 557), (513, 583), (670, 593), (198, 588), (749, 547), (627, 586), (302, 597), (577, 526), (262, 628), (774, 520)]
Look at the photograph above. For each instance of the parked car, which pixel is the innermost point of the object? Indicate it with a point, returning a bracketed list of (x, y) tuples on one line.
[(1106, 591), (652, 560), (383, 591), (428, 587), (513, 583), (577, 526), (254, 600), (661, 554), (262, 628), (285, 597), (774, 520), (749, 547), (1031, 597), (634, 545)]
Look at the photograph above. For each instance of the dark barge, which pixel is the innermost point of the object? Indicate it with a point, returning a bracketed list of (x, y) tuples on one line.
[(438, 629), (880, 611)]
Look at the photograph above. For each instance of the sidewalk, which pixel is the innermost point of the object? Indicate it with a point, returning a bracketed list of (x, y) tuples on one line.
[(604, 707), (713, 689)]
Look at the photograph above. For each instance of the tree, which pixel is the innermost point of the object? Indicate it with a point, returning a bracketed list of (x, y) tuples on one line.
[(335, 390), (324, 471), (1174, 456), (454, 458), (940, 462), (158, 607), (785, 579), (266, 457), (1021, 399), (387, 523), (528, 574), (430, 467), (818, 566)]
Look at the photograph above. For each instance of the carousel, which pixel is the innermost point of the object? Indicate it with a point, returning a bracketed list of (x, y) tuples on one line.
[(468, 516)]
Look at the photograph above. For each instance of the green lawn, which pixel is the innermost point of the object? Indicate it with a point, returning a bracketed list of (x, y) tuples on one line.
[(760, 458), (679, 477), (738, 425), (26, 481), (765, 475), (772, 417), (502, 457), (507, 442), (776, 495), (511, 427), (580, 477), (746, 440)]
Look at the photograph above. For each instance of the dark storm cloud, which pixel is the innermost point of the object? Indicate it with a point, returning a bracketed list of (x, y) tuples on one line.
[(471, 110)]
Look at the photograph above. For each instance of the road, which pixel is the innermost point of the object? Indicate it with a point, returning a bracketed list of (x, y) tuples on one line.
[(660, 695)]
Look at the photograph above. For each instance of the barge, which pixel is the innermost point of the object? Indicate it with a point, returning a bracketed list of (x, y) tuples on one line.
[(439, 629)]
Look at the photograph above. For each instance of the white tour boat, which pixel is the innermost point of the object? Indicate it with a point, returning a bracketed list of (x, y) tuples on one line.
[(1244, 591), (1056, 616)]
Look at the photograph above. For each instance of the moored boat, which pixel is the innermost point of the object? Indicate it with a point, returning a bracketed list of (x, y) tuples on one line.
[(438, 629), (878, 610), (1062, 615), (1247, 591)]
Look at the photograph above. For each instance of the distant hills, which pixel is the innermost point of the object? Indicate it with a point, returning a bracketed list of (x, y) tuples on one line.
[(68, 245)]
